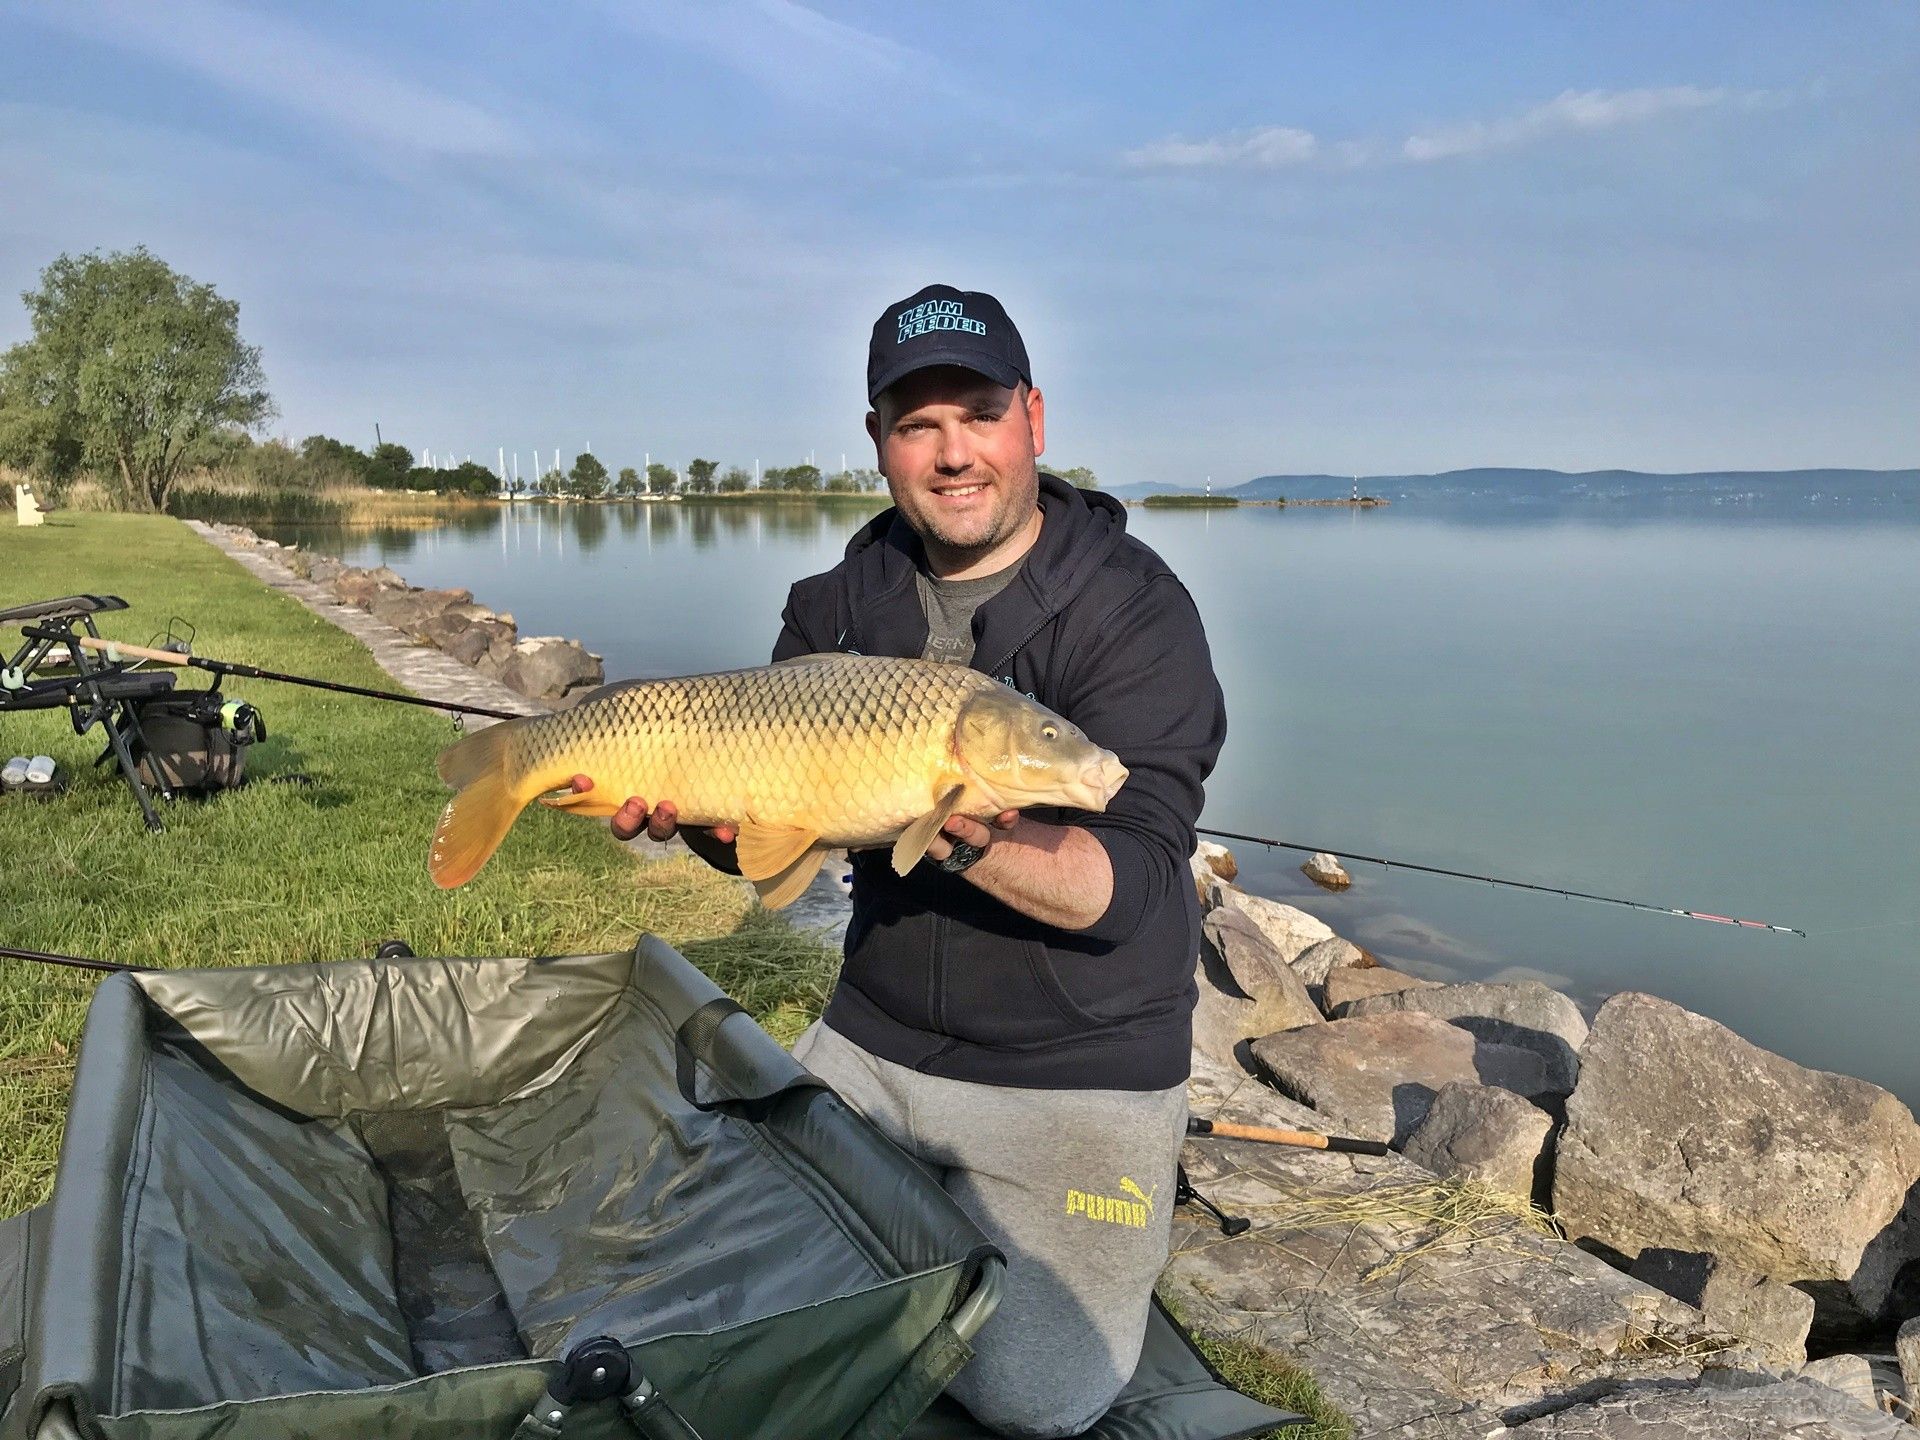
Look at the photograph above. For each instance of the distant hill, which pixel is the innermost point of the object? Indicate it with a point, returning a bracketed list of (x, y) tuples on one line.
[(1765, 490)]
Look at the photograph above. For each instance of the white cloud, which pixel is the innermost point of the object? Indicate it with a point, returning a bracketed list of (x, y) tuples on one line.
[(1570, 112), (290, 68), (1271, 147)]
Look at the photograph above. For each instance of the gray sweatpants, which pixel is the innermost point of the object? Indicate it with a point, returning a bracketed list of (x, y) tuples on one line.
[(1075, 1186)]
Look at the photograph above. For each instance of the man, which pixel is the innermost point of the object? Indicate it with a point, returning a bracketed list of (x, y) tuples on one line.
[(1016, 1011)]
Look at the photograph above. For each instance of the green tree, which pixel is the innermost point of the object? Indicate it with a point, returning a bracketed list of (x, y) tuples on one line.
[(588, 478), (469, 477), (132, 368), (629, 483), (1080, 476), (735, 481), (804, 478), (334, 461), (868, 481), (700, 476), (661, 478), (387, 467), (554, 482)]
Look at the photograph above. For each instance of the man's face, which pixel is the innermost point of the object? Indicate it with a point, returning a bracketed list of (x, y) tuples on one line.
[(958, 452)]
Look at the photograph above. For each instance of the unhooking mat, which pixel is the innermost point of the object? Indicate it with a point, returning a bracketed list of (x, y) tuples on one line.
[(396, 1197)]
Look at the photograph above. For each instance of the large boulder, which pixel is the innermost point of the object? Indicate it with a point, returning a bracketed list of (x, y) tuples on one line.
[(413, 612), (1682, 1135), (550, 668), (1526, 1014), (1315, 963), (358, 587), (1486, 1134), (1376, 1076), (1343, 987), (1774, 1316), (1246, 989), (1795, 1409), (1292, 931), (1326, 871), (1213, 862)]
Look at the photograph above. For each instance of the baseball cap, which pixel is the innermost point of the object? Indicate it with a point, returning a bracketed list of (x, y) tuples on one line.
[(939, 325)]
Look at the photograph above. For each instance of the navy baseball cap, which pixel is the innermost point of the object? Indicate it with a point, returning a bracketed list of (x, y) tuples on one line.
[(944, 326)]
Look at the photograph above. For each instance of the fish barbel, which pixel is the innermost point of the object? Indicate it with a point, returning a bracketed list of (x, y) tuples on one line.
[(812, 754)]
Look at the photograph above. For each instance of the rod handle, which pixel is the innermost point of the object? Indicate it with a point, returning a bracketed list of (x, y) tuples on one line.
[(136, 652), (1267, 1135)]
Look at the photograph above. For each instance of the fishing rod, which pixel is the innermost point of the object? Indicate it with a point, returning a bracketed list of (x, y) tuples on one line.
[(1267, 1135), (69, 962), (116, 650), (1510, 884)]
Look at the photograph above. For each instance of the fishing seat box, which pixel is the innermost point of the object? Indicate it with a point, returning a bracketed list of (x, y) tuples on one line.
[(391, 1197)]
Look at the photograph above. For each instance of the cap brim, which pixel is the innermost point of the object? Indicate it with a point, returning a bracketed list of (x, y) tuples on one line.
[(998, 371)]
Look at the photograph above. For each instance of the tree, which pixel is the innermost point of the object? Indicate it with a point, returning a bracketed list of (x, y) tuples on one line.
[(132, 368), (868, 481), (1081, 477), (552, 483), (387, 467), (629, 483), (661, 478), (469, 477), (804, 478), (735, 481), (333, 460), (588, 478), (700, 476)]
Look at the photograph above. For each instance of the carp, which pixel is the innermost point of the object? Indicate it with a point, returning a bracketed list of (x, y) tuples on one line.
[(811, 754)]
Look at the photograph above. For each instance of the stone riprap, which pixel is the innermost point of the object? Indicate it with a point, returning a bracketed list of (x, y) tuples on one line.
[(1771, 1314), (1524, 1013), (1246, 987), (1292, 931), (1375, 1076), (1794, 1409), (1344, 987), (1326, 871), (1318, 961), (1684, 1136), (1488, 1135)]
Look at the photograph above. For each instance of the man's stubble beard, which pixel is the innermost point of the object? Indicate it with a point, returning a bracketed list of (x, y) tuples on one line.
[(1008, 520)]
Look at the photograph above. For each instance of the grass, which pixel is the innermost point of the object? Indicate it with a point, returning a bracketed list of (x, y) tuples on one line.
[(282, 872), (1275, 1381), (280, 507)]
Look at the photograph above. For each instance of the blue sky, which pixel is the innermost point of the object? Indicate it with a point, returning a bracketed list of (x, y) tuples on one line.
[(1238, 238)]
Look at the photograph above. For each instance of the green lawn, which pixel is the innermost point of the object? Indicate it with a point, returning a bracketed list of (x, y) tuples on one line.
[(278, 872)]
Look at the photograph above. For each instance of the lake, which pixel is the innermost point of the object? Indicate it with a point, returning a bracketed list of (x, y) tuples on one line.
[(1713, 713)]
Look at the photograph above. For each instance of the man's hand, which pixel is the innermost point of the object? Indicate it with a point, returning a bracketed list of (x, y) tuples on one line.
[(975, 832), (662, 822)]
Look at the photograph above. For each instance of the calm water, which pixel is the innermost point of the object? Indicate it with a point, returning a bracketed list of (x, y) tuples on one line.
[(1718, 714)]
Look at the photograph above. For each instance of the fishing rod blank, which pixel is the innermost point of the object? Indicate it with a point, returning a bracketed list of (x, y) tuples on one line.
[(114, 649), (1510, 884), (68, 962), (1267, 1135)]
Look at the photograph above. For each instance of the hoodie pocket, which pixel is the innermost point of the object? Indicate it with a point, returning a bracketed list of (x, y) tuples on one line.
[(1002, 990)]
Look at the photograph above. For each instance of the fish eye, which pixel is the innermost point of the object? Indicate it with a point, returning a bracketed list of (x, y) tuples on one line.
[(1049, 732)]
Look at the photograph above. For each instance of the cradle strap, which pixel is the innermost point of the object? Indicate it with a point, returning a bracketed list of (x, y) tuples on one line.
[(693, 1043), (931, 1369)]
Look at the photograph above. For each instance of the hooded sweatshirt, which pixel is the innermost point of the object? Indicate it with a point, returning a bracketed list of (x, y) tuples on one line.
[(942, 977)]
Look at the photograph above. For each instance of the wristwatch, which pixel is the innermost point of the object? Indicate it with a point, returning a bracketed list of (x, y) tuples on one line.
[(964, 854)]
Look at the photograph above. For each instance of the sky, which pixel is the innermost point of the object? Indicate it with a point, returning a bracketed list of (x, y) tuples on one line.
[(1238, 239)]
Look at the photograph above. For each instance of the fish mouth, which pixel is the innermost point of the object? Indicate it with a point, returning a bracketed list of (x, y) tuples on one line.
[(1099, 781)]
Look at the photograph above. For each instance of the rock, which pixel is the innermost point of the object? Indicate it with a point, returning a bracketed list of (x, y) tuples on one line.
[(1211, 860), (469, 647), (1907, 1347), (1415, 1329), (358, 587), (412, 611), (1737, 1302), (1326, 871), (1524, 1014), (1246, 989), (448, 626), (1682, 1135), (1346, 986), (1795, 1409), (1292, 931), (1376, 1076), (1481, 1133), (1851, 1375), (1315, 963), (548, 667)]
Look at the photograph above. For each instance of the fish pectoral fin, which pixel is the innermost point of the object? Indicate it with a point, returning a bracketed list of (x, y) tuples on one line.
[(766, 852), (914, 840), (581, 802), (781, 890)]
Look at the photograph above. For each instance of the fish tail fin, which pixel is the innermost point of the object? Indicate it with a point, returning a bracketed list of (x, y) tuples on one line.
[(491, 796)]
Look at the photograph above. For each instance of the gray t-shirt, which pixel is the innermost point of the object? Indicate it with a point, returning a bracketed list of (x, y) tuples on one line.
[(950, 605)]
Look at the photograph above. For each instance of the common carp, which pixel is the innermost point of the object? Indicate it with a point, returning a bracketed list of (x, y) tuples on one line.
[(815, 753)]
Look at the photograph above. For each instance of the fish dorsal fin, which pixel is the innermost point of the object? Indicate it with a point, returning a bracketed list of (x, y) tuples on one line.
[(776, 892), (813, 659), (581, 802), (766, 851), (913, 842)]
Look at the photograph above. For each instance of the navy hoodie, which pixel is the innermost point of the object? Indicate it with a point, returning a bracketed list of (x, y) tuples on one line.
[(941, 977)]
